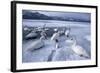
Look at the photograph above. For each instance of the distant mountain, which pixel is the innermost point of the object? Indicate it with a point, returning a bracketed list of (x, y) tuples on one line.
[(40, 16), (35, 15)]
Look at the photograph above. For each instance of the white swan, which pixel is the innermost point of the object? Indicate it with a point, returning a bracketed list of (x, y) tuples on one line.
[(79, 50), (55, 37), (36, 44)]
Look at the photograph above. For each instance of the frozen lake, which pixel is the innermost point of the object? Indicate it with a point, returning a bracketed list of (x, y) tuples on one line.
[(81, 30)]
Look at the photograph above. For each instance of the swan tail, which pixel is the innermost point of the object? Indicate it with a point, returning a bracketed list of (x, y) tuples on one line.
[(85, 56)]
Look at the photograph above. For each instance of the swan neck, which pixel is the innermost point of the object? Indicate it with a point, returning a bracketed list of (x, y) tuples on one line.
[(74, 43), (41, 38)]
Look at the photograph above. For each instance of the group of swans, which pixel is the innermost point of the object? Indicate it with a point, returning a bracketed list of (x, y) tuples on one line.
[(77, 49), (56, 36)]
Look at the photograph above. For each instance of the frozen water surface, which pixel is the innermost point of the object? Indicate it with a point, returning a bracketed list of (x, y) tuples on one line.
[(81, 30)]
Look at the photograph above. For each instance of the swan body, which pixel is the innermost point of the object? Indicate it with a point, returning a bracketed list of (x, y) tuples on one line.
[(79, 50), (36, 45)]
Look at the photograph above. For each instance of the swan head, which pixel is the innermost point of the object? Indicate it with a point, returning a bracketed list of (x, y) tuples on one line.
[(74, 41), (56, 30), (71, 40)]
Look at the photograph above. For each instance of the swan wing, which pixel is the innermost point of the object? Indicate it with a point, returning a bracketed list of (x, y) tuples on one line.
[(35, 45), (77, 49)]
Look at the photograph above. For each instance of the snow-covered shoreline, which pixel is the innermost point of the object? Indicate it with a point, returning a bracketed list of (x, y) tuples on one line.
[(78, 29)]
